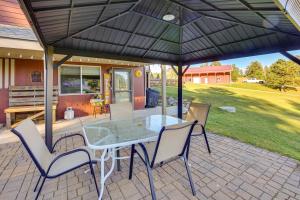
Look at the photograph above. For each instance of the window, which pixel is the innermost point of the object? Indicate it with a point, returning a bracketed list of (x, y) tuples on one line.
[(79, 80), (90, 79), (36, 77)]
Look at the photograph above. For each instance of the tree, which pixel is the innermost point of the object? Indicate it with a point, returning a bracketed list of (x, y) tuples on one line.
[(215, 63), (282, 73), (235, 74), (171, 74), (255, 70), (204, 65)]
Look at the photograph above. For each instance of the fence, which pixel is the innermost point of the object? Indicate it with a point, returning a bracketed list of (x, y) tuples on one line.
[(157, 82)]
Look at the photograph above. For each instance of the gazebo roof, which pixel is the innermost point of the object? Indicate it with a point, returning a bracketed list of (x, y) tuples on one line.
[(133, 30)]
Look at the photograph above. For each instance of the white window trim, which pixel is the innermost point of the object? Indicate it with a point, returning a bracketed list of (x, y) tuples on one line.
[(81, 93)]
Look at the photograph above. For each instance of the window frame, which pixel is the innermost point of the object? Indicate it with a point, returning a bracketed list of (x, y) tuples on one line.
[(80, 66)]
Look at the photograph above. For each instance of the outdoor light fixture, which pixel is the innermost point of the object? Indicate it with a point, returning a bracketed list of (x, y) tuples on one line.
[(168, 17)]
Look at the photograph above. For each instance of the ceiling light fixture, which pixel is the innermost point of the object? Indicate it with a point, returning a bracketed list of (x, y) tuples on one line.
[(168, 17)]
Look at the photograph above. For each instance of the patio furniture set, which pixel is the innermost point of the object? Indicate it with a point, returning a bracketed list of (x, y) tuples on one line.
[(156, 139)]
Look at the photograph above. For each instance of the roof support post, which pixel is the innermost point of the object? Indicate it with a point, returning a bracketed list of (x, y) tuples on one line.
[(164, 89), (48, 64), (179, 91), (291, 57)]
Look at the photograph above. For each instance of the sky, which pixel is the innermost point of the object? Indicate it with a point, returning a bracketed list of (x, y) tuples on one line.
[(265, 60)]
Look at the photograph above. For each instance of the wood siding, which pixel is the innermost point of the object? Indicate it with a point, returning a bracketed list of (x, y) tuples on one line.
[(11, 14)]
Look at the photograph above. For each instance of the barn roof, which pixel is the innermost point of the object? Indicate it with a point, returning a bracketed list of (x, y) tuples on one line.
[(209, 69), (134, 29)]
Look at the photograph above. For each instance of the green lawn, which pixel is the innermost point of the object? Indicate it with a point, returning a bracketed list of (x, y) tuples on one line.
[(265, 117)]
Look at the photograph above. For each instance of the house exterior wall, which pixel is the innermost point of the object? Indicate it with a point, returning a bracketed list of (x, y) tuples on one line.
[(18, 72), (11, 14)]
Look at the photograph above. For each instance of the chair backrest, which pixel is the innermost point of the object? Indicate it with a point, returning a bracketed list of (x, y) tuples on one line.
[(172, 141), (34, 144), (198, 111), (120, 111)]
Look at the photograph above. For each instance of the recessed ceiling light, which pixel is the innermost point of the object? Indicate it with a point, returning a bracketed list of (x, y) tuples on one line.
[(168, 17)]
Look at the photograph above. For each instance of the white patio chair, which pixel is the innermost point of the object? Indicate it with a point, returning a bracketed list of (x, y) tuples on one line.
[(50, 165), (121, 111), (171, 144), (199, 111)]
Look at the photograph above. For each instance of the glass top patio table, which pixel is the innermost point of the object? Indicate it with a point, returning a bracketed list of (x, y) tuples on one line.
[(121, 133)]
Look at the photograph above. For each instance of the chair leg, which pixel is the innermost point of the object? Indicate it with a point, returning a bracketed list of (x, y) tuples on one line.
[(131, 161), (93, 174), (149, 172), (40, 189), (189, 175), (118, 161), (37, 183), (150, 177), (206, 141), (188, 149)]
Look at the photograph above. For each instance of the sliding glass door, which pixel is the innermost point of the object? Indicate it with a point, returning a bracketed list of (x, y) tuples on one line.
[(122, 88)]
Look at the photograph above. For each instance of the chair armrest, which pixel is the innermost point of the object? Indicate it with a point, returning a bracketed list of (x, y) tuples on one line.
[(67, 136), (68, 153)]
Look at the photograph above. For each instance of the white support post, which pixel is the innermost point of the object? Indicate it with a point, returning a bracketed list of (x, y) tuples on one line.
[(164, 89), (6, 73), (48, 96), (12, 72)]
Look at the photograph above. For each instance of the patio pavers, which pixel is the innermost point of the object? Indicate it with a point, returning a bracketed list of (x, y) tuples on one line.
[(233, 170)]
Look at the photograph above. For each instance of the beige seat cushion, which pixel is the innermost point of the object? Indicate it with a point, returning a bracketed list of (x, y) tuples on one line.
[(70, 161)]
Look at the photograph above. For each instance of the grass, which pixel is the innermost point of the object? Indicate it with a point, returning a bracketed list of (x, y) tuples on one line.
[(265, 117)]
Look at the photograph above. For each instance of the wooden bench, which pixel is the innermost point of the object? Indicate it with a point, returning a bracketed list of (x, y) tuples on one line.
[(25, 99)]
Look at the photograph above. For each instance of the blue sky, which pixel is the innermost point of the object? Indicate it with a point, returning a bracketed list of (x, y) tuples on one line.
[(266, 59)]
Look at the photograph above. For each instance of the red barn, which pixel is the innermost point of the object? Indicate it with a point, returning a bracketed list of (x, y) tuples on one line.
[(208, 74)]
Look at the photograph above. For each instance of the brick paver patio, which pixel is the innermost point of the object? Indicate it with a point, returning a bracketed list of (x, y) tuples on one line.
[(234, 170)]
